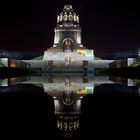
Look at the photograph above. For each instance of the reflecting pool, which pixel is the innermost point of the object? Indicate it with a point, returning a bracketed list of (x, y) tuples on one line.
[(65, 102)]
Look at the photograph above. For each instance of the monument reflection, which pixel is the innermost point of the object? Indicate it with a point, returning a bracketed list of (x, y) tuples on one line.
[(68, 90)]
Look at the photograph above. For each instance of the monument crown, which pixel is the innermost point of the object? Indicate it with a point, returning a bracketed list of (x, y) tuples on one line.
[(68, 15), (67, 32)]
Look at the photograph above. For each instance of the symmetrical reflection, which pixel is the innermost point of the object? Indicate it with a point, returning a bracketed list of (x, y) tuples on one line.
[(68, 90)]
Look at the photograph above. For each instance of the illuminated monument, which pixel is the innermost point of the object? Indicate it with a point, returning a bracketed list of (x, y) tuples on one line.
[(67, 53)]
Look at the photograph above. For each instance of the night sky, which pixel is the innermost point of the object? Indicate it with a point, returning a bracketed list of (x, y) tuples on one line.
[(108, 26)]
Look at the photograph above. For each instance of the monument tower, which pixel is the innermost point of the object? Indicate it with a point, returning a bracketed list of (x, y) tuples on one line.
[(68, 31), (67, 52)]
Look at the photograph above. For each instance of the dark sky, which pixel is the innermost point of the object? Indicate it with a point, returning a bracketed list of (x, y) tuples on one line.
[(108, 25)]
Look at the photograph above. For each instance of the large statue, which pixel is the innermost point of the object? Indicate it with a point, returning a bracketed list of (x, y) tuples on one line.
[(61, 18), (78, 19), (58, 19)]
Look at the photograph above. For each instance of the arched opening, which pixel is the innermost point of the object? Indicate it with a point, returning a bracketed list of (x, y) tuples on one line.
[(68, 45)]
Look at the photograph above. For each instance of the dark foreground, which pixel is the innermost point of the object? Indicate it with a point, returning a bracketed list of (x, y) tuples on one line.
[(29, 114), (122, 72), (131, 72), (112, 112)]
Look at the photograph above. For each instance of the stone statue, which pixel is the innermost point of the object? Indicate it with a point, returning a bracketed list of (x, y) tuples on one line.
[(58, 19), (78, 19)]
